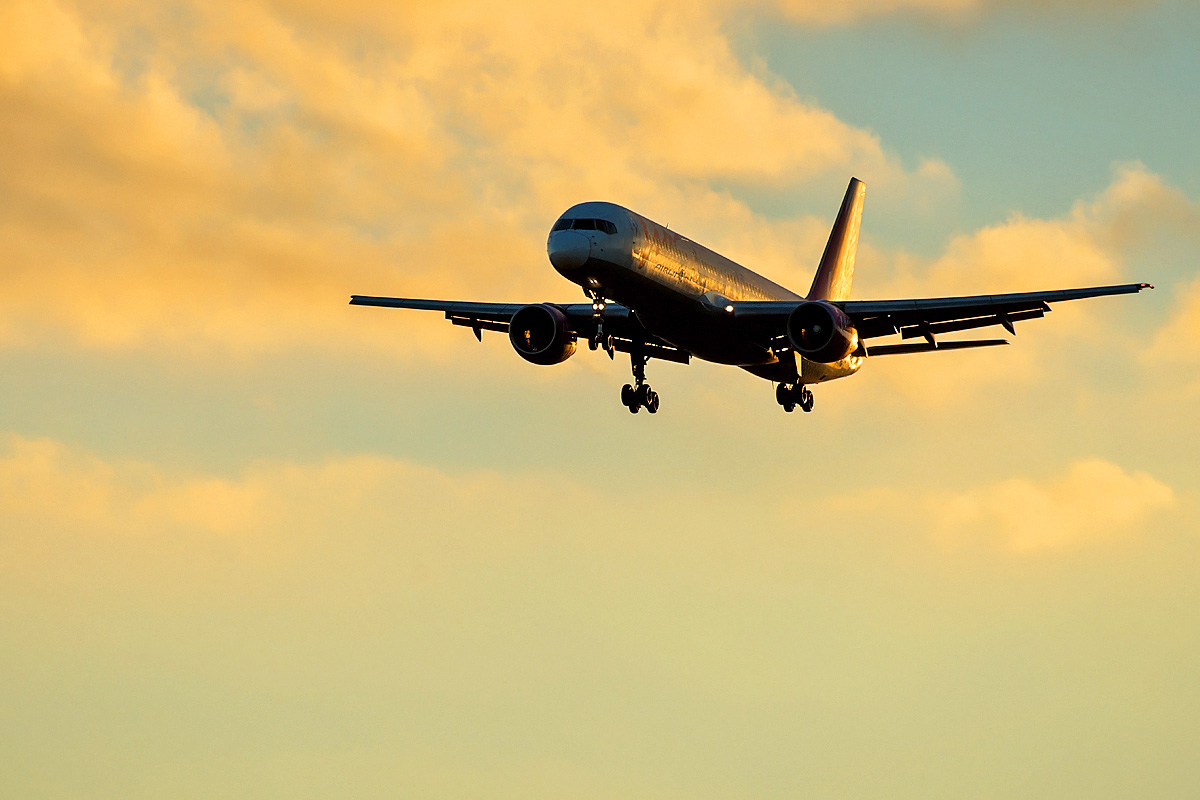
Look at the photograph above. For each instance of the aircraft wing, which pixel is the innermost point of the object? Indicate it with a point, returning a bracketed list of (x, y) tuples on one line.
[(621, 327), (927, 318)]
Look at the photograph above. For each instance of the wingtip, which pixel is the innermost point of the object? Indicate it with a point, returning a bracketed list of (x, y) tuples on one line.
[(1145, 286)]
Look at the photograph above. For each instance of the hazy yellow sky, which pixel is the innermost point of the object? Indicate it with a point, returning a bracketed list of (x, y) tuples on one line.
[(254, 542)]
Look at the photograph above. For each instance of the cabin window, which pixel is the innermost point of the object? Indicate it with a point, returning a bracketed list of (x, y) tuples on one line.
[(585, 224), (606, 226), (562, 225)]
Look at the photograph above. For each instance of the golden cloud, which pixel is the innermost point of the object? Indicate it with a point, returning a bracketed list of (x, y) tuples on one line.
[(1095, 501), (955, 11), (1179, 338), (226, 183), (1090, 245), (45, 484)]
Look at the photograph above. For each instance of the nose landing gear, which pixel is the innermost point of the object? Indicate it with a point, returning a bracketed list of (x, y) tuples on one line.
[(598, 339), (639, 395), (794, 395)]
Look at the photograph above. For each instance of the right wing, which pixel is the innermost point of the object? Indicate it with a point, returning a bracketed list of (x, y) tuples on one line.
[(622, 330), (927, 318)]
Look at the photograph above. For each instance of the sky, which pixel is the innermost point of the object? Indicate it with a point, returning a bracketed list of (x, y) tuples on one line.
[(255, 542)]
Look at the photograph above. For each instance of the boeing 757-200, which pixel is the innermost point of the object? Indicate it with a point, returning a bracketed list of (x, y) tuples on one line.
[(656, 294)]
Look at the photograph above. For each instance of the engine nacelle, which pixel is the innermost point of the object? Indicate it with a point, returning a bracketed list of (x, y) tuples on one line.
[(540, 335), (821, 332)]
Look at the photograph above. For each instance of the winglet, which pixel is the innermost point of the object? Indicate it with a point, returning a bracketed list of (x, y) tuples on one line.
[(836, 272)]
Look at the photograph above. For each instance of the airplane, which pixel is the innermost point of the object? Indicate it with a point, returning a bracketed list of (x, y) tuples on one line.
[(656, 294)]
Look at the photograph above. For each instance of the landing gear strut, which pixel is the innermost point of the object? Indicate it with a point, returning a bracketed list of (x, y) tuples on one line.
[(639, 395), (598, 339), (794, 395)]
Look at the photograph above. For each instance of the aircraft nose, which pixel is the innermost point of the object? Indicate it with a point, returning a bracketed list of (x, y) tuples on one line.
[(568, 249)]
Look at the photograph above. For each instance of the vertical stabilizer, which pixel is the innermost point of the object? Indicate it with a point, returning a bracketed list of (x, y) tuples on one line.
[(836, 272)]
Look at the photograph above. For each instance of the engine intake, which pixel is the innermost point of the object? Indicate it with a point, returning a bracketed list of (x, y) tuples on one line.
[(540, 335), (821, 332)]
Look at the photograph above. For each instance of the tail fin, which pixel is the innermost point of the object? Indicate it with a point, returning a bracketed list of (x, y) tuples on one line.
[(836, 272)]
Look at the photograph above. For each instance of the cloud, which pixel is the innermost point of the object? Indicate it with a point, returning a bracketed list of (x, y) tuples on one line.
[(808, 12), (1095, 501), (1090, 244), (1178, 340), (48, 484), (224, 183), (1096, 243)]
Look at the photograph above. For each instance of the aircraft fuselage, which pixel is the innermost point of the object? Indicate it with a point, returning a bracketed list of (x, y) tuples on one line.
[(678, 288)]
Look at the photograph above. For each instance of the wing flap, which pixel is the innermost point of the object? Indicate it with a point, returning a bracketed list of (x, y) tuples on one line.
[(930, 347), (1004, 319)]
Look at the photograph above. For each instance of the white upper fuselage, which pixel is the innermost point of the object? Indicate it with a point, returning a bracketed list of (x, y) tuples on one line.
[(654, 253)]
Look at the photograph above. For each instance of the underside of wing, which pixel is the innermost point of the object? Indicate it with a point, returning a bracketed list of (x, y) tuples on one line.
[(613, 327), (929, 317), (926, 318)]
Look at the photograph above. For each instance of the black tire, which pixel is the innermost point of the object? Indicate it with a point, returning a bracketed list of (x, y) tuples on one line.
[(781, 394), (627, 395), (633, 408), (652, 403)]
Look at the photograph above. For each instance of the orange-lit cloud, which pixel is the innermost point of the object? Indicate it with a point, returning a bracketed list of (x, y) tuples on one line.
[(223, 186), (956, 11), (1095, 501), (226, 183), (46, 484), (1179, 338), (1091, 245)]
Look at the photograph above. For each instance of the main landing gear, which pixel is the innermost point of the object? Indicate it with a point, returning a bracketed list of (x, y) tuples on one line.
[(640, 395), (795, 395)]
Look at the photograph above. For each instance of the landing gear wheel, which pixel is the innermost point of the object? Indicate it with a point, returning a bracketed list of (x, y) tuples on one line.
[(795, 395), (639, 395), (783, 396)]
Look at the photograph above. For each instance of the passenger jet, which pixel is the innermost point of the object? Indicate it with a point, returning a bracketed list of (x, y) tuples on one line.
[(656, 294)]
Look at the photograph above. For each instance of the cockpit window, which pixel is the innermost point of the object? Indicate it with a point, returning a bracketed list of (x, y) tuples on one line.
[(585, 225)]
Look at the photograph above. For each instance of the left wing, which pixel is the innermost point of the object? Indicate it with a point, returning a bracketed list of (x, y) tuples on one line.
[(622, 330), (477, 316), (927, 318)]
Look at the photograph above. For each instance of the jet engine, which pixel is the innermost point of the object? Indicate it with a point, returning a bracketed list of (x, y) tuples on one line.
[(540, 335), (821, 332)]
